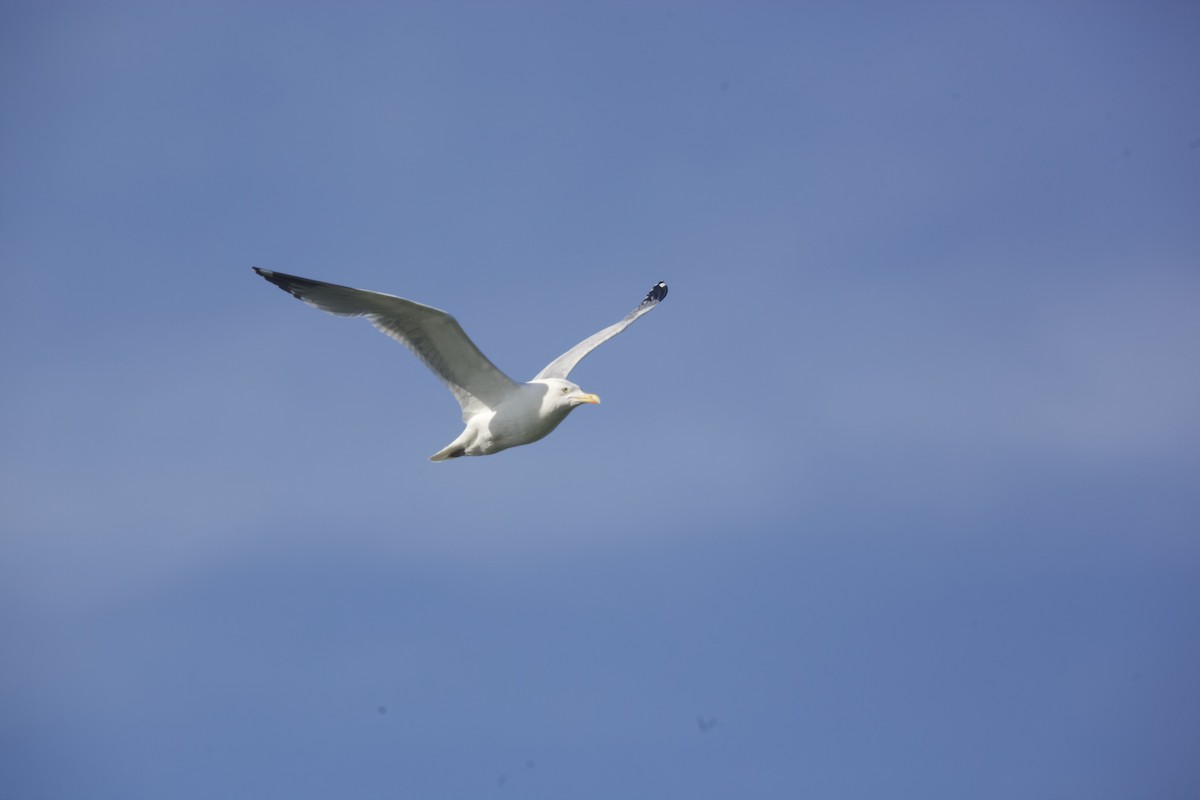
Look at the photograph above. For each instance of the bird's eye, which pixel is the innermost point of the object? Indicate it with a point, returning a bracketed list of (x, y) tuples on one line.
[(566, 389)]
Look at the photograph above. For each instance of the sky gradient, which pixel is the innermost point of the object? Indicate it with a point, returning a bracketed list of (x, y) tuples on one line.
[(899, 485)]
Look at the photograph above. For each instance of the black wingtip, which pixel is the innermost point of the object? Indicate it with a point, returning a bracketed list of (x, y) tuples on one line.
[(657, 293), (291, 284)]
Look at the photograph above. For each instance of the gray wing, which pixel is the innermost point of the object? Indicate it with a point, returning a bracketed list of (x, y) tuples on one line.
[(432, 334), (562, 366)]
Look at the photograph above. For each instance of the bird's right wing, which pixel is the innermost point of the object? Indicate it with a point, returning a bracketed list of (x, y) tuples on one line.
[(561, 367), (432, 334)]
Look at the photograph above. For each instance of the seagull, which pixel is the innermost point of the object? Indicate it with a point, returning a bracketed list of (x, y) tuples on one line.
[(498, 412)]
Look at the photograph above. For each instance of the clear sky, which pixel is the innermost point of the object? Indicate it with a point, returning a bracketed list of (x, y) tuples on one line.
[(899, 485)]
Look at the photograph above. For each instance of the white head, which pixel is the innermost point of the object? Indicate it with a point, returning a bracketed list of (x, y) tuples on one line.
[(563, 395)]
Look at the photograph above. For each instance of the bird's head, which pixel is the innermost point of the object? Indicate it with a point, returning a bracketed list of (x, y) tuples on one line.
[(564, 394)]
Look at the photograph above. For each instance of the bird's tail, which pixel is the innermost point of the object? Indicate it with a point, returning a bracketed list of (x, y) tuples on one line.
[(448, 452)]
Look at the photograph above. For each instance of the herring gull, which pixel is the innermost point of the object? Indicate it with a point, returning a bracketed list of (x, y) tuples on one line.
[(499, 413)]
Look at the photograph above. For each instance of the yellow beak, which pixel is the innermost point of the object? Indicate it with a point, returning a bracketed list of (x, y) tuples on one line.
[(589, 398)]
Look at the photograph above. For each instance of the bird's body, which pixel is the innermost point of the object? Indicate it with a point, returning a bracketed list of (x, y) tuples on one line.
[(498, 412), (530, 413)]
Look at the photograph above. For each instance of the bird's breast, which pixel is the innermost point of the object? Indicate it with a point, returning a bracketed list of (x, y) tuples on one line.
[(523, 419)]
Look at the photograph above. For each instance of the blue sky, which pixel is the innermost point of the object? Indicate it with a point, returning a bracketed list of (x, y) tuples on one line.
[(899, 484)]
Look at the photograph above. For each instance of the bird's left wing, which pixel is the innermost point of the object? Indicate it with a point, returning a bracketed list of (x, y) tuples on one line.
[(430, 333), (562, 366)]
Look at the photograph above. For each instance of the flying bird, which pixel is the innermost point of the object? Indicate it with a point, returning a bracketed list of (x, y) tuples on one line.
[(498, 412)]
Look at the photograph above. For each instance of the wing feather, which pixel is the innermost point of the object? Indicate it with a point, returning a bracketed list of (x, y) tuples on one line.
[(562, 366), (431, 334)]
